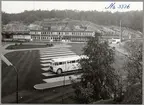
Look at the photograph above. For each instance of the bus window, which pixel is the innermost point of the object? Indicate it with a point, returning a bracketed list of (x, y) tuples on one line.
[(63, 62), (55, 63), (72, 61), (69, 62), (77, 60), (60, 63)]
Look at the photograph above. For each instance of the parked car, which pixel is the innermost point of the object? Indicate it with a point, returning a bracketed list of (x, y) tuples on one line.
[(49, 44)]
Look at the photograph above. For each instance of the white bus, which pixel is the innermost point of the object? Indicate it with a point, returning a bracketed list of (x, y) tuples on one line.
[(114, 41), (59, 65)]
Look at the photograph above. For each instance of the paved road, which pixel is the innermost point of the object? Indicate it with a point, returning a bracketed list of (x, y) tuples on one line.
[(119, 48)]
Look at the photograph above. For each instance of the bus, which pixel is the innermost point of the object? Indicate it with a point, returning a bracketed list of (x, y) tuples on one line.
[(114, 41), (69, 63)]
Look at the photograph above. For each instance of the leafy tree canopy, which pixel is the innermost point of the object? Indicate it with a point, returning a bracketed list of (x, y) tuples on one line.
[(98, 79), (132, 19)]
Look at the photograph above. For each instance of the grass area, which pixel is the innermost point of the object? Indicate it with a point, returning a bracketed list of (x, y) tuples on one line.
[(28, 66), (66, 99), (26, 46)]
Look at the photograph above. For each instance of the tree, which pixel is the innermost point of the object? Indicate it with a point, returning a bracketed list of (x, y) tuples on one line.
[(132, 19), (98, 78), (134, 63), (30, 19), (5, 18), (133, 94)]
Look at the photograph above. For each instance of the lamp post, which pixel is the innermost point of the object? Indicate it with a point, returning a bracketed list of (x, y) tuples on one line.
[(63, 88), (16, 82)]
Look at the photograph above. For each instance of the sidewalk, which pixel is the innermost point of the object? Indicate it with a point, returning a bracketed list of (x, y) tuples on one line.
[(57, 81)]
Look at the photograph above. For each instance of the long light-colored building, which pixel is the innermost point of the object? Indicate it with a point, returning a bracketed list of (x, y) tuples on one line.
[(73, 36)]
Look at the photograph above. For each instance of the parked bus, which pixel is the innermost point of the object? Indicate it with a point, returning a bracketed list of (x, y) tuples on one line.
[(114, 41), (69, 63)]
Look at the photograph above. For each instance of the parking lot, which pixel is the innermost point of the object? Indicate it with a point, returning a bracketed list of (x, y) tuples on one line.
[(32, 68), (45, 57)]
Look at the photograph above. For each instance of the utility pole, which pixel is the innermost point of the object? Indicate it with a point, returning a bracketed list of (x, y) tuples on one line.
[(120, 32), (40, 36)]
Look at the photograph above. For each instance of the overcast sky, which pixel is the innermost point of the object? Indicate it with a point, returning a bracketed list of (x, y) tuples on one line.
[(20, 6)]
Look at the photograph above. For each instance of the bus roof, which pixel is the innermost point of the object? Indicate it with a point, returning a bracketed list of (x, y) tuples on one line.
[(67, 58)]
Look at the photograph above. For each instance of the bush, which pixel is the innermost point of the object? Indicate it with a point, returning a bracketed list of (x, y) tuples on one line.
[(49, 44), (11, 47), (20, 43)]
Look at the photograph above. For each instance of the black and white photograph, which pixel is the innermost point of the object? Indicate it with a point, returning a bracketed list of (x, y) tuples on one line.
[(71, 52)]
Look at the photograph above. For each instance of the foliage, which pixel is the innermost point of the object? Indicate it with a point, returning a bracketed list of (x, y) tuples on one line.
[(83, 95), (133, 66), (99, 78), (134, 63), (5, 18), (133, 95), (131, 19)]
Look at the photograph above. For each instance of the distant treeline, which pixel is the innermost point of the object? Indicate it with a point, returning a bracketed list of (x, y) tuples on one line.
[(132, 19)]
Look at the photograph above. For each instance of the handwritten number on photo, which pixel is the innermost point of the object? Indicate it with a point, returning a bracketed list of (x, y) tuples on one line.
[(124, 6)]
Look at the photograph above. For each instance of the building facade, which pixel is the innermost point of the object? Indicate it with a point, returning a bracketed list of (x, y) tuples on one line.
[(53, 36)]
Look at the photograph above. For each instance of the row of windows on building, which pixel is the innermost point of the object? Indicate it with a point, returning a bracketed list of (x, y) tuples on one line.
[(44, 38), (78, 39), (63, 33), (57, 38)]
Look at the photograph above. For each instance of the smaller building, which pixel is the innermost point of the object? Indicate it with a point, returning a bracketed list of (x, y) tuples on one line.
[(22, 37)]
